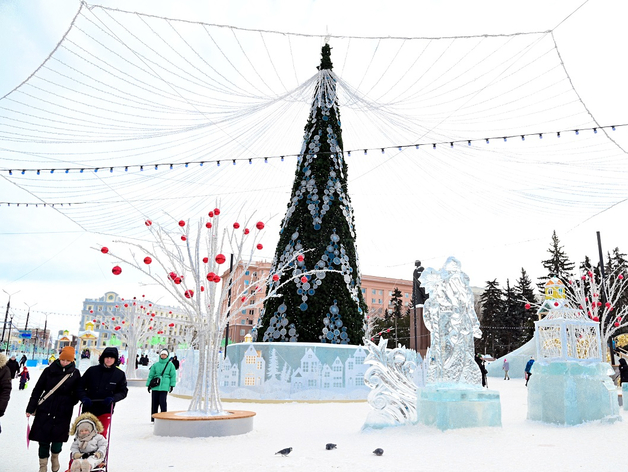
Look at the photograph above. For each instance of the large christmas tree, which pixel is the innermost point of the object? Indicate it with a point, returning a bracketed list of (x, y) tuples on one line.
[(326, 305)]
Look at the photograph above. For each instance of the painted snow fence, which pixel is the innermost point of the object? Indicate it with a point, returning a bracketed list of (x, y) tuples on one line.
[(283, 371)]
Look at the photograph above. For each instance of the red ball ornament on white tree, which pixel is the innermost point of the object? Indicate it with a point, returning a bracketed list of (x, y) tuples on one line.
[(182, 223), (148, 222), (171, 325), (211, 276), (210, 214), (104, 249), (620, 277), (259, 225), (220, 259), (208, 225), (94, 321), (300, 258), (205, 260), (527, 305), (183, 238), (246, 231), (304, 279), (189, 293), (147, 260), (177, 280), (117, 270), (275, 277), (216, 211), (217, 279), (202, 288), (260, 246), (236, 225)]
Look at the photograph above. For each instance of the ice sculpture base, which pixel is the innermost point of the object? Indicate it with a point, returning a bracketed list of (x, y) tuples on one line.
[(571, 393), (453, 406), (182, 424), (624, 395)]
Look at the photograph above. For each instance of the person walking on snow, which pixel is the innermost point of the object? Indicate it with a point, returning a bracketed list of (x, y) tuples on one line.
[(164, 370), (528, 370), (13, 366), (506, 367), (5, 384), (102, 386), (52, 403), (24, 377), (90, 446)]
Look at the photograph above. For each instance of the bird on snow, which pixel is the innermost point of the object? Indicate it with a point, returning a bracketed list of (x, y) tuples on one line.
[(378, 452), (330, 446), (284, 452)]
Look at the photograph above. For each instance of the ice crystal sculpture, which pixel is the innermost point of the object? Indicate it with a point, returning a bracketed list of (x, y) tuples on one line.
[(450, 317), (392, 378)]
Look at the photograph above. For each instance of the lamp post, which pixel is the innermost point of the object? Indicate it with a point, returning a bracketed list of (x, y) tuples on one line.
[(6, 315), (9, 339), (27, 317)]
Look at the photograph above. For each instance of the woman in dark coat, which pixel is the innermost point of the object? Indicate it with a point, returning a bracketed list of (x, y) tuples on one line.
[(53, 416), (623, 371)]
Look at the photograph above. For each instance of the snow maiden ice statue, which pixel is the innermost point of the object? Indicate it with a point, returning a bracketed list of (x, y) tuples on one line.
[(453, 396)]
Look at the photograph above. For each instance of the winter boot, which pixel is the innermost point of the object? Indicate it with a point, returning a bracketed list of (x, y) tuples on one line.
[(76, 466), (85, 466), (43, 464), (54, 462)]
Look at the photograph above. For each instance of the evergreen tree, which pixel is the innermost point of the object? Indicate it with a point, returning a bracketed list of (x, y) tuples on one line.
[(509, 320), (326, 306), (492, 307), (558, 265), (618, 264), (396, 301), (526, 316)]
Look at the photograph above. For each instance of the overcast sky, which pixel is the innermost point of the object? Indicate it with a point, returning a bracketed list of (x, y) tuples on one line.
[(47, 259)]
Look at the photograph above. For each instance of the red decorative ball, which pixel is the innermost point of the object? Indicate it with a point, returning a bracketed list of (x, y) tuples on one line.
[(304, 279), (616, 324), (220, 259), (216, 211), (527, 306), (117, 270), (189, 293), (148, 222), (217, 279), (126, 305), (94, 321), (177, 280), (172, 275), (259, 225), (620, 277), (183, 238), (104, 250), (150, 327), (607, 304), (211, 214), (243, 299), (208, 225), (211, 276), (275, 277), (202, 288), (300, 258), (555, 303), (113, 318), (182, 223), (596, 318), (236, 225), (246, 231), (260, 246), (92, 311), (205, 260), (123, 322), (171, 325), (147, 260)]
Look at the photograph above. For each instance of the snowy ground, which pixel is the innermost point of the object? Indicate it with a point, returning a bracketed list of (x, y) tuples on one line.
[(519, 444)]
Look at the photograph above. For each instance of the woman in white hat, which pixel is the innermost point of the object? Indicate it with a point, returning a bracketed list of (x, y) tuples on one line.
[(162, 378)]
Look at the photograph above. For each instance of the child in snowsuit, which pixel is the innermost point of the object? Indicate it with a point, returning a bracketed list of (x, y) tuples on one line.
[(89, 446), (24, 377)]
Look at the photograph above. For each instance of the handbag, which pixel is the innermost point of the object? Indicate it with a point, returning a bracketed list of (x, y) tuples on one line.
[(156, 381)]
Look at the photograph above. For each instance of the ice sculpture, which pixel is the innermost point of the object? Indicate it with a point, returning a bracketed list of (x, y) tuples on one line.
[(453, 396), (570, 384), (450, 317), (393, 379)]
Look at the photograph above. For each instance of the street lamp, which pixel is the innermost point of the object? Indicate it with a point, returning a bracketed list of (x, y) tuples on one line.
[(6, 315), (26, 324)]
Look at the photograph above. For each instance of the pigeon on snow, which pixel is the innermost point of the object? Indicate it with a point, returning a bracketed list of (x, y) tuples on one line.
[(378, 452), (284, 452), (330, 446)]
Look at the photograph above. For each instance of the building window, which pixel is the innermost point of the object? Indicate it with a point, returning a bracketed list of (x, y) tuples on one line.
[(337, 384), (254, 274), (311, 383), (250, 359), (407, 295), (233, 383), (381, 292), (249, 380), (350, 365), (372, 300), (244, 312), (327, 373), (251, 312), (242, 332), (306, 367), (246, 272), (379, 300), (246, 282), (390, 293), (359, 360), (374, 292), (359, 380), (363, 290)]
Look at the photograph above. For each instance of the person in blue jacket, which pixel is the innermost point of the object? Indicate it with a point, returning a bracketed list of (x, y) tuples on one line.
[(528, 369), (167, 374)]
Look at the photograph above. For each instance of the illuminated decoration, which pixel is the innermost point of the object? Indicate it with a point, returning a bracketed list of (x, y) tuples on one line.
[(393, 376), (328, 306)]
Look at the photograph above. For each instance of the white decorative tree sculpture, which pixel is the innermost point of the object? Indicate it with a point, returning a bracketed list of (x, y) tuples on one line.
[(600, 303), (186, 262)]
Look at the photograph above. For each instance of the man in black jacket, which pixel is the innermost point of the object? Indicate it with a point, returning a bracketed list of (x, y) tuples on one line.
[(102, 386), (13, 366)]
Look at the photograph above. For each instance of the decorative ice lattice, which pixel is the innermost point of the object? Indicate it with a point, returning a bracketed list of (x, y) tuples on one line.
[(566, 334), (391, 378), (450, 317)]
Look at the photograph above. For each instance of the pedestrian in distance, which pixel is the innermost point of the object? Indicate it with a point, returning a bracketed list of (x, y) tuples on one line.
[(528, 370), (102, 386), (623, 371), (13, 366), (89, 447), (25, 376), (506, 368), (23, 361), (482, 365), (52, 404), (5, 385), (162, 378), (175, 362)]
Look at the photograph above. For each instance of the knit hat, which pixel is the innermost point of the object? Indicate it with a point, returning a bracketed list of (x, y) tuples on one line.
[(87, 418), (164, 351), (67, 354)]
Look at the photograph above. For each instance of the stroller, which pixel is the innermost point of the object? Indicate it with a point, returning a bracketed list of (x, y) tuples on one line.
[(105, 420)]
